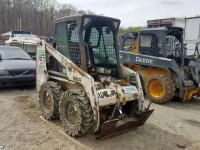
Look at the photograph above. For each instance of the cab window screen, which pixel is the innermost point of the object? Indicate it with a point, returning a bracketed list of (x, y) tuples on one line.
[(67, 40), (104, 51), (94, 37), (151, 45), (61, 38)]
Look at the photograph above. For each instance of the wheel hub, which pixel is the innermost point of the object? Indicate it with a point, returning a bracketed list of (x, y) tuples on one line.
[(156, 88), (48, 102), (71, 113)]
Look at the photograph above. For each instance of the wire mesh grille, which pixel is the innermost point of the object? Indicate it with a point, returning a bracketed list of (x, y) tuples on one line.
[(173, 46), (73, 43), (102, 42), (151, 45), (67, 40)]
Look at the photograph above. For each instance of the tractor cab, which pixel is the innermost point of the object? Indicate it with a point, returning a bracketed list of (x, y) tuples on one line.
[(159, 42), (91, 43)]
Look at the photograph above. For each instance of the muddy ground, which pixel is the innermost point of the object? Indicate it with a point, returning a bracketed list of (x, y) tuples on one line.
[(174, 125)]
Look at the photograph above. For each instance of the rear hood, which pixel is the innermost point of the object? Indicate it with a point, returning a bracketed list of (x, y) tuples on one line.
[(18, 64)]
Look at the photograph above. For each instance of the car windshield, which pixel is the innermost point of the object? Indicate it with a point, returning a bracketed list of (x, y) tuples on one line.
[(13, 53), (22, 35)]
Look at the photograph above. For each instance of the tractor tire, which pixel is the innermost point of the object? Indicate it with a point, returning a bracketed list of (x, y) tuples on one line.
[(49, 97), (75, 113), (159, 88)]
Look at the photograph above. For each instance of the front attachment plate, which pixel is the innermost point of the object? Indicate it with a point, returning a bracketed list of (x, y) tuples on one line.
[(116, 126)]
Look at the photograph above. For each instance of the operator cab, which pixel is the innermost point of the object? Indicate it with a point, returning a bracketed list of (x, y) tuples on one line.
[(165, 42), (90, 42), (101, 53), (162, 42)]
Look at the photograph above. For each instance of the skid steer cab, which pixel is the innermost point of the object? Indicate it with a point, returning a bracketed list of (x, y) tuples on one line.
[(159, 55), (81, 81)]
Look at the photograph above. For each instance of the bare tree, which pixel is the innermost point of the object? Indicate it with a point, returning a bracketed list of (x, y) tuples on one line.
[(66, 10), (36, 16)]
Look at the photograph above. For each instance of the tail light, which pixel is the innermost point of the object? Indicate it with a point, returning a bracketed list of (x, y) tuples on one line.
[(4, 37)]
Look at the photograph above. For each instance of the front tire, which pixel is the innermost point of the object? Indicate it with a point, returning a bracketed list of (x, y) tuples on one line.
[(49, 97), (160, 88), (76, 113)]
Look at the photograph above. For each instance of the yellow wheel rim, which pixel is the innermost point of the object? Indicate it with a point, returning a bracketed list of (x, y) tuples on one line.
[(156, 88)]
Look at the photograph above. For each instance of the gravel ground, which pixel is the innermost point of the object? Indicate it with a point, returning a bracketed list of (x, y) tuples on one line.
[(174, 125)]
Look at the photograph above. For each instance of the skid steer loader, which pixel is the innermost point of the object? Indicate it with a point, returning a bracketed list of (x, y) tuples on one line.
[(80, 79), (159, 56)]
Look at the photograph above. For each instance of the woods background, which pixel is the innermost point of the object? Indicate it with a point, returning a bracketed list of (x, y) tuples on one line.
[(38, 16)]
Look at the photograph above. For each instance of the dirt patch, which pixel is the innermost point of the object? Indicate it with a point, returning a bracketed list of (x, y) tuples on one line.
[(29, 105), (193, 123), (168, 128)]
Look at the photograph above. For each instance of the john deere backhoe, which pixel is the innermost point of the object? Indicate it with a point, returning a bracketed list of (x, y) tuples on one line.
[(159, 56), (80, 80)]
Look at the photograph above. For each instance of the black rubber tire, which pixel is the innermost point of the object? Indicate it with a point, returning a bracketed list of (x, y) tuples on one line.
[(55, 91), (168, 88), (84, 118)]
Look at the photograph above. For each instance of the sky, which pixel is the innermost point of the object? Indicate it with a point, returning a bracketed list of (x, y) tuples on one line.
[(137, 12)]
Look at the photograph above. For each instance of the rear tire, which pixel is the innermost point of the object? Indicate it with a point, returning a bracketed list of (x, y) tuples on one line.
[(160, 88), (75, 113), (49, 97)]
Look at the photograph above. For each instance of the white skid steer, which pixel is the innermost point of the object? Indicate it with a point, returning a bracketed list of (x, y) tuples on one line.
[(80, 79)]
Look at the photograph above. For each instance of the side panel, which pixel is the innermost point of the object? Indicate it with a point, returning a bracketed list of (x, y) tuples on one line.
[(146, 73), (192, 33), (41, 69), (192, 29), (151, 61)]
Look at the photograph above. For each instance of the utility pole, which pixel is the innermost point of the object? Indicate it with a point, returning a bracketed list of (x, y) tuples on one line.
[(20, 23)]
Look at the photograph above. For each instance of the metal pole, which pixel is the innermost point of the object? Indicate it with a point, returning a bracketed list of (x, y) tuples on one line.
[(20, 24)]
